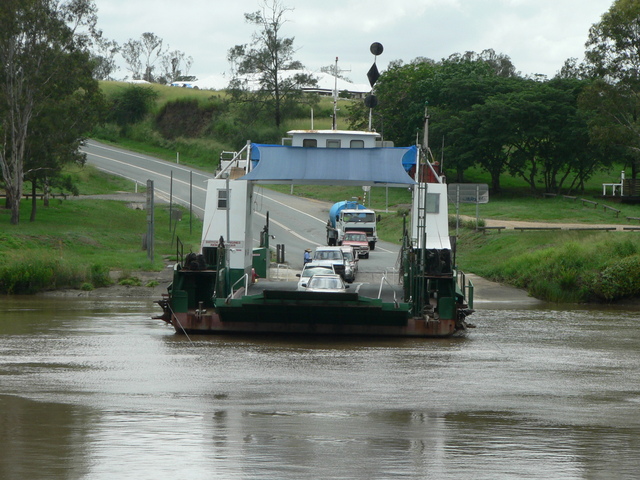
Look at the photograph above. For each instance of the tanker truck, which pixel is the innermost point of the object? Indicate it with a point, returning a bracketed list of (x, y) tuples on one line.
[(349, 215)]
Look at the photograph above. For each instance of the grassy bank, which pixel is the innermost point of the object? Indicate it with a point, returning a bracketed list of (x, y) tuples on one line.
[(76, 243), (558, 266)]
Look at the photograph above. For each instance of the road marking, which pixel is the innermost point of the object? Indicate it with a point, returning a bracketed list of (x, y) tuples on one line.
[(142, 157), (288, 230), (166, 163), (145, 170), (308, 215)]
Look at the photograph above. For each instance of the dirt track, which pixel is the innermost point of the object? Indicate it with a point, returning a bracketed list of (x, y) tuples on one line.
[(513, 224)]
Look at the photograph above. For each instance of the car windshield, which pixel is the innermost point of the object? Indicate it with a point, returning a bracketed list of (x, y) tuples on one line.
[(347, 256), (355, 237), (328, 255), (325, 282), (307, 272), (359, 217)]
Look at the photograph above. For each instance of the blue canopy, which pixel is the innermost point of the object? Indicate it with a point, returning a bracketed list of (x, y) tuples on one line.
[(332, 166)]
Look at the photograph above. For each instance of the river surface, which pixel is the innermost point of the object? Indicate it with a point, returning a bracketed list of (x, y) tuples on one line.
[(97, 389)]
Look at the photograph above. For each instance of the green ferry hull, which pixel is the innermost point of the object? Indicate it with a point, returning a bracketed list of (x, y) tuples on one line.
[(292, 312)]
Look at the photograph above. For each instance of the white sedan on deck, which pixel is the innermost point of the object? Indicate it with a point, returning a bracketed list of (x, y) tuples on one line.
[(326, 283)]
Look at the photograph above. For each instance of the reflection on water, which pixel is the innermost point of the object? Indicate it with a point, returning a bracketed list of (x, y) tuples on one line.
[(99, 390)]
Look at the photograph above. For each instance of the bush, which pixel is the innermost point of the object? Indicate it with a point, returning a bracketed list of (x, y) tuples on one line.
[(130, 282), (619, 280), (131, 105), (99, 275)]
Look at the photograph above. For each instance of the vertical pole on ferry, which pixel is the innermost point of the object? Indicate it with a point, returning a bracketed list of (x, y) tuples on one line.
[(334, 123)]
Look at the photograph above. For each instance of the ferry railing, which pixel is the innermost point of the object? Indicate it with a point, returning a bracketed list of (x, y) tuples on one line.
[(466, 287), (393, 272), (384, 280), (245, 277), (179, 251)]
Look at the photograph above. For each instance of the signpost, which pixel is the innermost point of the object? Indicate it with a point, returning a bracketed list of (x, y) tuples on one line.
[(468, 193), (150, 219)]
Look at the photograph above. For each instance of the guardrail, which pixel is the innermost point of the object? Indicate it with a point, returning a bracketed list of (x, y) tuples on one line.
[(384, 280), (614, 210), (484, 229), (522, 229), (245, 277)]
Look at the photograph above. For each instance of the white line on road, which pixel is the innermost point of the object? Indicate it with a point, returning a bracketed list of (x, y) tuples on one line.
[(308, 215)]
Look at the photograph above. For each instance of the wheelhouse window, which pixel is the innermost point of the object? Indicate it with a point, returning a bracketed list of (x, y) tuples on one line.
[(332, 143), (433, 202), (223, 199), (357, 144), (309, 142)]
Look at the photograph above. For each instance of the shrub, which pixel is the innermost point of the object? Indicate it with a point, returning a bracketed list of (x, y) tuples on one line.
[(99, 275), (130, 282), (619, 279)]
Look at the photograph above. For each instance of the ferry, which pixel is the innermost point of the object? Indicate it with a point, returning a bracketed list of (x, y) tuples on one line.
[(212, 291)]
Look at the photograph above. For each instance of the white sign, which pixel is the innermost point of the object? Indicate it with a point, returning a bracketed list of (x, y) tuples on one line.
[(468, 193)]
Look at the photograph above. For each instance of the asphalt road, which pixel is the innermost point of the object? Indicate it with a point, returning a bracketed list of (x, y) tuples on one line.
[(297, 223)]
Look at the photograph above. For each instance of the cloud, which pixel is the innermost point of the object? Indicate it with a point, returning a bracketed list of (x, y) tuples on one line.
[(538, 35)]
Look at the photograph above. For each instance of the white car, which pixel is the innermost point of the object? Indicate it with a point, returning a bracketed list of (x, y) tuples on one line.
[(350, 264), (311, 269), (331, 254), (326, 283)]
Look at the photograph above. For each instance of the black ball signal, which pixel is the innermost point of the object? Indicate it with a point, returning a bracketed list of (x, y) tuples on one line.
[(371, 101), (376, 48)]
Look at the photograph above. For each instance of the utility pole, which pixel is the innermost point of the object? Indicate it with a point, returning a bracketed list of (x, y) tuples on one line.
[(336, 72)]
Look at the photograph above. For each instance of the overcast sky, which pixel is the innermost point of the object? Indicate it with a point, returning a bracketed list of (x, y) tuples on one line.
[(538, 35)]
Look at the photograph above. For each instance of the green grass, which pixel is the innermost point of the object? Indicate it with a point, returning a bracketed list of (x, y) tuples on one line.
[(77, 242), (551, 209), (165, 92), (91, 181), (563, 266)]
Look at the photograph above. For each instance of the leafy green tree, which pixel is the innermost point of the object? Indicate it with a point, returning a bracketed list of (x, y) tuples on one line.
[(613, 54), (40, 45), (57, 133), (481, 135), (451, 87), (259, 67)]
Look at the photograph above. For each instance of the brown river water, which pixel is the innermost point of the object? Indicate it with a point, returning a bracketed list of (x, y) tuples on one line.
[(94, 388)]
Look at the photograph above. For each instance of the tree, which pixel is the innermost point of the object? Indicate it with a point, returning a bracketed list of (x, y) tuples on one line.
[(103, 57), (152, 50), (131, 52), (175, 66), (40, 43), (264, 61), (613, 54), (131, 104), (58, 131)]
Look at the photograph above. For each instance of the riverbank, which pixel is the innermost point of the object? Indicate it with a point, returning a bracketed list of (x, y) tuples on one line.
[(487, 294)]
